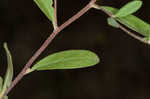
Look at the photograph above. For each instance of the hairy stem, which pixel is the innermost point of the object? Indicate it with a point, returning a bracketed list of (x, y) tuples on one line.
[(120, 26), (46, 43)]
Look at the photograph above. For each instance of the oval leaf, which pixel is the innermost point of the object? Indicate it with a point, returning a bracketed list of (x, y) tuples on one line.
[(112, 22), (129, 8), (131, 22), (47, 8), (70, 59)]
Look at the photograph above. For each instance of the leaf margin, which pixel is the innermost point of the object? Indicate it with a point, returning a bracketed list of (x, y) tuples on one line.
[(35, 67)]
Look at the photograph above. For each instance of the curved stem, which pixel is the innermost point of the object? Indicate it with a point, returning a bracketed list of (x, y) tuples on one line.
[(46, 43)]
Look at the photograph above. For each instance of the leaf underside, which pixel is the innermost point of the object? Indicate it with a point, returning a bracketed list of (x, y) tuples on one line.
[(47, 8), (112, 22)]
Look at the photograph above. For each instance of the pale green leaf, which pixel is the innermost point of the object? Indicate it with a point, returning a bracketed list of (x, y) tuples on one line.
[(112, 22), (131, 22), (9, 72), (70, 59), (129, 8), (1, 83), (47, 8)]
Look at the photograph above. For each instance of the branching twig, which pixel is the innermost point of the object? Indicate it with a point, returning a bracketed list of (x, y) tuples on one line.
[(47, 42), (120, 26)]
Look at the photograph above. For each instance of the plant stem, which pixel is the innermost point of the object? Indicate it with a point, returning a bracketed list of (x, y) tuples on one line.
[(46, 43), (55, 8), (120, 26)]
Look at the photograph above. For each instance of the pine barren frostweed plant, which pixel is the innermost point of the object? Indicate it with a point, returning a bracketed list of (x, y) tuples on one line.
[(122, 18)]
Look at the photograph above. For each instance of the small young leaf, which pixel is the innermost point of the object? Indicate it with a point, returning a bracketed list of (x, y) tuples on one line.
[(47, 8), (129, 8), (131, 22), (70, 59), (112, 22), (1, 83), (9, 72)]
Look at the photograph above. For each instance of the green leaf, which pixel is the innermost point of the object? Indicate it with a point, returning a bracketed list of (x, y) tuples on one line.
[(70, 59), (131, 22), (9, 72), (112, 22), (47, 8), (129, 8), (1, 83)]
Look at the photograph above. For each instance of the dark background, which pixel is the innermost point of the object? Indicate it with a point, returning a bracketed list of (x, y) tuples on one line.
[(124, 70)]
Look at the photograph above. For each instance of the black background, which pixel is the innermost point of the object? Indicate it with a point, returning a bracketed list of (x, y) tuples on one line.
[(124, 70)]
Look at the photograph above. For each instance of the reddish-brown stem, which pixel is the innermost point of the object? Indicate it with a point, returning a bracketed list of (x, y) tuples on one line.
[(46, 43), (55, 7)]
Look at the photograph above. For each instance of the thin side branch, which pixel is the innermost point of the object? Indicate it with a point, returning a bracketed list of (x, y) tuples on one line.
[(120, 26), (132, 34), (46, 43)]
